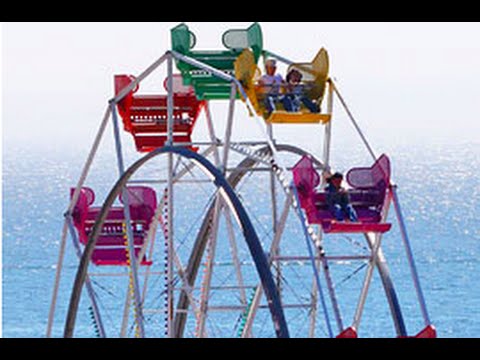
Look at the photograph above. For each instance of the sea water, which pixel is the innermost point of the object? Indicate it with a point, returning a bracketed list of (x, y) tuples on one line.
[(439, 190)]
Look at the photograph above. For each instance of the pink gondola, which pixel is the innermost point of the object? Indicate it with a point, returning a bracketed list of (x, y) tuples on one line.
[(368, 193), (111, 247)]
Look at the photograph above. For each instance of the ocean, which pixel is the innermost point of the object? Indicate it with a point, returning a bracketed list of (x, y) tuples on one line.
[(439, 190)]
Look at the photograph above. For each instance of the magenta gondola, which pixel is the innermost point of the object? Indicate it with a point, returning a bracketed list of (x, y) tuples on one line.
[(111, 248), (369, 196)]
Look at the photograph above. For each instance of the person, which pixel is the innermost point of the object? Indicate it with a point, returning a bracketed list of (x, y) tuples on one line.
[(295, 94), (338, 199), (271, 84)]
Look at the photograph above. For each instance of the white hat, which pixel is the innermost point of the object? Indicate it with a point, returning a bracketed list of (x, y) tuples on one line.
[(270, 62)]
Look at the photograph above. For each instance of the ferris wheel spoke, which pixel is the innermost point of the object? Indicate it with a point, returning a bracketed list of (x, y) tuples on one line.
[(234, 254)]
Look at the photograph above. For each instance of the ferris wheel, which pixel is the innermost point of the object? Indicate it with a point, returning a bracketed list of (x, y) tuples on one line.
[(221, 238)]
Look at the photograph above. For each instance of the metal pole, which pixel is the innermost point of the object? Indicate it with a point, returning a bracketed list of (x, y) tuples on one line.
[(139, 79), (89, 161), (181, 271), (129, 230), (367, 281), (376, 257), (72, 204), (408, 248), (330, 286), (326, 161), (150, 240), (205, 293), (228, 130), (278, 57), (126, 312), (213, 137), (273, 250), (203, 66), (273, 195), (312, 258), (186, 286), (385, 277), (170, 101), (313, 310), (272, 185), (234, 251), (328, 127), (88, 283), (56, 284), (354, 122), (170, 207)]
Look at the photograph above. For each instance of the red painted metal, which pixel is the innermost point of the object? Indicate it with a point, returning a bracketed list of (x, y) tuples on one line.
[(333, 227), (348, 333), (146, 116), (429, 332)]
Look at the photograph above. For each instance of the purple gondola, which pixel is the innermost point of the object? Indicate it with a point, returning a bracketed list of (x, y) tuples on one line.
[(368, 196)]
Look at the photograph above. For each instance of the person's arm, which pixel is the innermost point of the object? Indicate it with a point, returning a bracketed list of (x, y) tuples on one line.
[(262, 86)]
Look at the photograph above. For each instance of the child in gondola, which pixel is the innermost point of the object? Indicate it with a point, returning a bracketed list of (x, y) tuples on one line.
[(338, 199), (295, 94), (271, 85)]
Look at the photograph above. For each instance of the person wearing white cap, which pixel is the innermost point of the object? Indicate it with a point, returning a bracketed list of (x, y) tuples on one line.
[(271, 84)]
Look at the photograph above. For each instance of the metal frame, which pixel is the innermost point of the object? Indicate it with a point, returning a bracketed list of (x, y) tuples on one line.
[(130, 240), (316, 254)]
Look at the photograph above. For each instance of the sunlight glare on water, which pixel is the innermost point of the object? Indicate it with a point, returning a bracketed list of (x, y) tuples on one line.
[(439, 195)]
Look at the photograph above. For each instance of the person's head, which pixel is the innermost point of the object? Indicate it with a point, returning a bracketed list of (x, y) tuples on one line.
[(336, 179), (294, 76), (270, 66)]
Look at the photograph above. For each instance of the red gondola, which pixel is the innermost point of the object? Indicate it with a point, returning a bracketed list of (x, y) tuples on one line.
[(146, 116)]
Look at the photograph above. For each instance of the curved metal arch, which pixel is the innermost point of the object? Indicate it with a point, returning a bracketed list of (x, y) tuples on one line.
[(249, 233), (199, 246)]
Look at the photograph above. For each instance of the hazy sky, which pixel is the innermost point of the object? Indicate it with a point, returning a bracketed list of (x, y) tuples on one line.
[(418, 81)]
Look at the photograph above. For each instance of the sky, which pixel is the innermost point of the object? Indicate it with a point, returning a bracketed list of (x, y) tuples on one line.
[(402, 81)]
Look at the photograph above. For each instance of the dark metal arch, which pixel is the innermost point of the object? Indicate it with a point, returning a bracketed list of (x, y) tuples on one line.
[(249, 233)]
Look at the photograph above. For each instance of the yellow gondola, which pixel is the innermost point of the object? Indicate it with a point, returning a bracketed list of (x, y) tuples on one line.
[(315, 76), (284, 117)]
